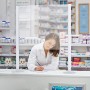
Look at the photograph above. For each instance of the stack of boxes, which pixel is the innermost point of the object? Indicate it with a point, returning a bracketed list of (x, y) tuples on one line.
[(63, 62), (77, 62), (81, 39), (22, 62)]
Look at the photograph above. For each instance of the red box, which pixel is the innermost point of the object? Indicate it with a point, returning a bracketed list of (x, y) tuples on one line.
[(76, 59)]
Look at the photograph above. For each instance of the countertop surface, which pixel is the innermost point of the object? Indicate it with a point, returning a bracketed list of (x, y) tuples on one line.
[(62, 73)]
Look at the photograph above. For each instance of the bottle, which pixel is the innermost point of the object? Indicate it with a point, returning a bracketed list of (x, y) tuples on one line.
[(3, 23), (2, 60)]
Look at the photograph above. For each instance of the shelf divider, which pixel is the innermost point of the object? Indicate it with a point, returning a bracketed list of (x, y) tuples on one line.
[(69, 37)]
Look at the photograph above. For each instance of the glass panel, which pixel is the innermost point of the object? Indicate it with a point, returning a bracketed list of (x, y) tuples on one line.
[(37, 21)]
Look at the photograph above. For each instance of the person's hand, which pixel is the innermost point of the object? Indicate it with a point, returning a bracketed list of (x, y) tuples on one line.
[(39, 68)]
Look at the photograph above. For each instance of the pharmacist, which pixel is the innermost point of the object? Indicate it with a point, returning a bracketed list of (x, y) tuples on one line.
[(44, 56)]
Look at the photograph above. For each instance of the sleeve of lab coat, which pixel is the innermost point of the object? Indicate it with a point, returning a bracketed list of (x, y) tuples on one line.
[(32, 59), (54, 64)]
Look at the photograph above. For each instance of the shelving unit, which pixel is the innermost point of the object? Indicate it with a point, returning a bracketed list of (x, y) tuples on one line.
[(62, 2), (80, 48), (7, 48), (54, 19)]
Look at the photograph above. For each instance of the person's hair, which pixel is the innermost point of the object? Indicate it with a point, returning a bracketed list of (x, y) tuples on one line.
[(55, 50)]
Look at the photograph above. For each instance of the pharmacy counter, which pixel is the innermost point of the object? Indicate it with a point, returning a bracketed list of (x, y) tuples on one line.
[(27, 80), (62, 73)]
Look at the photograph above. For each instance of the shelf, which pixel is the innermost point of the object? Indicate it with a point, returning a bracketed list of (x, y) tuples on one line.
[(13, 65), (23, 66), (7, 54), (59, 22), (58, 6), (5, 65), (2, 65), (53, 21), (13, 54), (59, 15), (84, 45), (7, 44), (53, 28), (27, 44), (44, 27), (77, 67), (74, 56), (4, 28), (81, 45), (11, 44), (73, 35), (80, 56), (24, 55), (74, 67), (62, 66)]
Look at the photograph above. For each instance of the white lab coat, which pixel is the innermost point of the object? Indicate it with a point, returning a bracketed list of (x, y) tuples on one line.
[(37, 58)]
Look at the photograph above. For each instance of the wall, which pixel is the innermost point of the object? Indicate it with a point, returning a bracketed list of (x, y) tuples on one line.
[(77, 12)]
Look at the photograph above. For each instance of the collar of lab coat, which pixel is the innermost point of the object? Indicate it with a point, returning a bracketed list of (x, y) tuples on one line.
[(42, 49)]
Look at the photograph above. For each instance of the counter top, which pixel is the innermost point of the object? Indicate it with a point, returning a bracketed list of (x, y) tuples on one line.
[(62, 73)]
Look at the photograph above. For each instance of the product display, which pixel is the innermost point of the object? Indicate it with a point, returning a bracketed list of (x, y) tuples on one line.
[(63, 62), (8, 62), (22, 62), (5, 24), (30, 40), (6, 40)]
